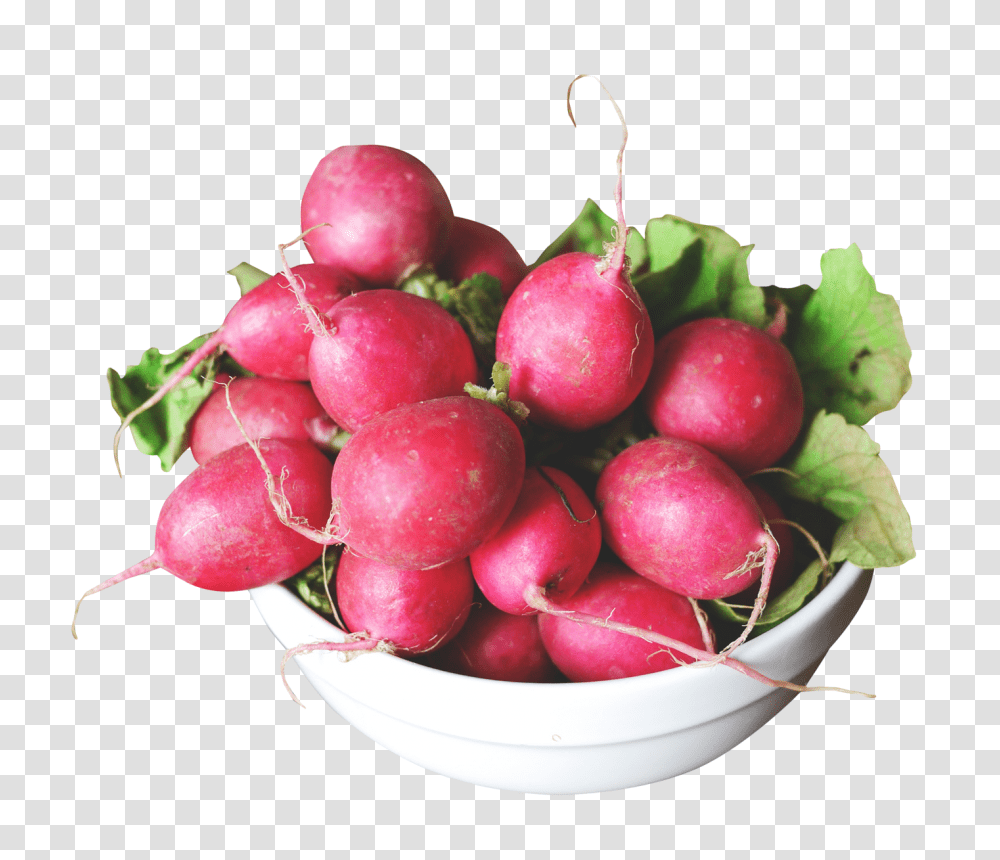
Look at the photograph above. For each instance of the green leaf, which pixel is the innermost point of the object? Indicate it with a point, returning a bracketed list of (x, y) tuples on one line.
[(248, 277), (838, 468), (589, 233), (850, 346), (162, 430), (693, 271), (782, 606)]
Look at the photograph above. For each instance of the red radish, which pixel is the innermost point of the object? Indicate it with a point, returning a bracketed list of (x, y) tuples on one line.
[(678, 515), (415, 610), (576, 334), (385, 348), (387, 213), (217, 529), (728, 386), (476, 248), (604, 618), (586, 652), (268, 408), (266, 331), (393, 610), (428, 482), (498, 646), (550, 541)]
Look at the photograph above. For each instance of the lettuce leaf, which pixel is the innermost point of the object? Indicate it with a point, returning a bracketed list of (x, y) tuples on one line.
[(848, 341), (162, 430), (693, 271), (590, 232), (838, 468)]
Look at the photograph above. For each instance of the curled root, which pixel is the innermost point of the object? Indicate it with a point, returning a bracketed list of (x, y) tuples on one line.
[(279, 501)]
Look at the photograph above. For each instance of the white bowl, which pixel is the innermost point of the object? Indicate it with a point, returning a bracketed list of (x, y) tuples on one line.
[(565, 738)]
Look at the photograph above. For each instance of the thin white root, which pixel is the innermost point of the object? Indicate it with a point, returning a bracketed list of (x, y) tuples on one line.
[(298, 286), (707, 634), (279, 501), (354, 643)]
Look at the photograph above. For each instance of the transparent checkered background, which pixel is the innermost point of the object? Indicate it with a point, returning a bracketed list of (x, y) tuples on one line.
[(146, 151)]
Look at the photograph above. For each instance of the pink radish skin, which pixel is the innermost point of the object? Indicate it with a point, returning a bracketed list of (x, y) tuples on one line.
[(218, 531), (540, 545), (579, 342), (268, 409), (266, 331), (588, 653), (729, 387), (476, 248), (428, 482), (675, 513), (386, 348), (416, 611), (497, 646), (389, 213)]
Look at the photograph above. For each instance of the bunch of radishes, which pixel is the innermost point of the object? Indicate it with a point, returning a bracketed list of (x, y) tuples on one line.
[(365, 420)]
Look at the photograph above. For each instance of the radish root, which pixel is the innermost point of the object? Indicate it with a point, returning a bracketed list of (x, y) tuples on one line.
[(279, 501), (315, 321), (354, 643), (535, 598), (144, 566)]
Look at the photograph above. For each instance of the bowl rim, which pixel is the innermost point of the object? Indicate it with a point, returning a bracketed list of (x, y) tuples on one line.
[(584, 712)]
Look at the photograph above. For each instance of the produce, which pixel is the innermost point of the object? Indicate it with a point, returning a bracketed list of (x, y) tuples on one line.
[(384, 348), (268, 408), (595, 492)]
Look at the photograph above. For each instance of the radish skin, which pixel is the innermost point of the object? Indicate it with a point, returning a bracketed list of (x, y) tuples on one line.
[(217, 529), (268, 408), (388, 214), (551, 540)]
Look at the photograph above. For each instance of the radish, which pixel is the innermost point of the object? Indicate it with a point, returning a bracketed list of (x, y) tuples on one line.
[(576, 335), (729, 387), (387, 214), (385, 348), (217, 529), (393, 610), (268, 408), (550, 541), (415, 610), (581, 634), (498, 646), (428, 482), (586, 652), (676, 514), (266, 331), (476, 248)]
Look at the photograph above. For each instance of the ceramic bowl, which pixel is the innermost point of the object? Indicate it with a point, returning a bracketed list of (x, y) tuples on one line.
[(565, 738)]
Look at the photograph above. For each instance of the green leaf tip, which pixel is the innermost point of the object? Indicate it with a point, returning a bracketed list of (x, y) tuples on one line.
[(162, 431), (248, 277)]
